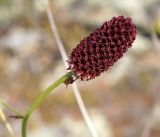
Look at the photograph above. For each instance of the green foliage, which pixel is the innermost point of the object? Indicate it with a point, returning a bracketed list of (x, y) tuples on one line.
[(5, 2)]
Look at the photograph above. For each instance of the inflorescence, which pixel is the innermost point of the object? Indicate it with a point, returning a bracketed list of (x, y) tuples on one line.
[(102, 48)]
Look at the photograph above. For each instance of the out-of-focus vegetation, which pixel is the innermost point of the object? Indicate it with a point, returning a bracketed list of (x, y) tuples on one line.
[(120, 101)]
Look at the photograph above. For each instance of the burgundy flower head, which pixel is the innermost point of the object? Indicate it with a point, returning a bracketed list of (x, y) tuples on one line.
[(102, 48)]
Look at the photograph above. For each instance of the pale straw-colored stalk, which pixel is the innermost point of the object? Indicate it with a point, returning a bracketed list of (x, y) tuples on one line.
[(3, 118), (65, 58)]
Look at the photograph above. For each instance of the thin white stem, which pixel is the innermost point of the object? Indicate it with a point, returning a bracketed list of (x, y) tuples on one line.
[(74, 85), (56, 34), (83, 110)]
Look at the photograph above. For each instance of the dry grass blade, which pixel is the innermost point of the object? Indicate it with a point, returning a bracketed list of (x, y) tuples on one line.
[(7, 124)]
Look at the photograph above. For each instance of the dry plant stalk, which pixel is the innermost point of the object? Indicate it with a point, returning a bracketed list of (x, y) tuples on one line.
[(6, 123), (74, 85)]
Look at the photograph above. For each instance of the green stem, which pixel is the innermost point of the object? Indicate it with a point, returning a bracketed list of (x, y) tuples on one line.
[(40, 99), (10, 108)]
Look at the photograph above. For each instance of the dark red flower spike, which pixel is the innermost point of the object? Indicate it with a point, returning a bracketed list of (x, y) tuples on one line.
[(102, 48)]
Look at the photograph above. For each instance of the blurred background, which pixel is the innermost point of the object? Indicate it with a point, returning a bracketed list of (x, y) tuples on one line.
[(121, 102)]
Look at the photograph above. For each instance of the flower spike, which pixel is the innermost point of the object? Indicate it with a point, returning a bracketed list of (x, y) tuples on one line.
[(102, 48)]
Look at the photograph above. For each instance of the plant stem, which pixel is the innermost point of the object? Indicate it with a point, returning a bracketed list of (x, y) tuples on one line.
[(76, 91), (6, 123), (40, 99), (10, 108)]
